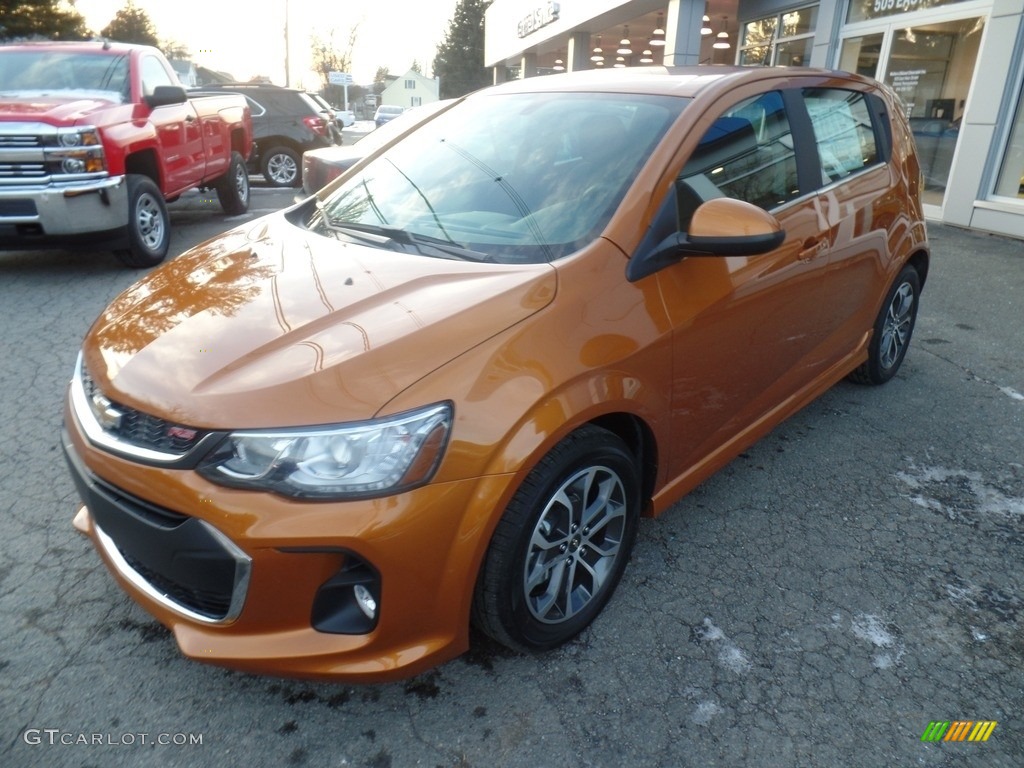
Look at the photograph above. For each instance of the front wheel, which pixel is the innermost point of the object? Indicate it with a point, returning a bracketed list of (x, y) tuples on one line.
[(562, 545), (281, 168), (233, 187), (149, 226), (893, 328)]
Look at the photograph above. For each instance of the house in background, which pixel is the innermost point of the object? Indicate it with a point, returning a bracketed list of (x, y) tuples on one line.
[(186, 72), (411, 90)]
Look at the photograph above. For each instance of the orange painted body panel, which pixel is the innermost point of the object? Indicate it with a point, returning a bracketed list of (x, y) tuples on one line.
[(271, 326)]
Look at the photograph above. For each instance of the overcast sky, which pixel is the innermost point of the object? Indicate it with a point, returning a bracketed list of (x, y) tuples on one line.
[(248, 40)]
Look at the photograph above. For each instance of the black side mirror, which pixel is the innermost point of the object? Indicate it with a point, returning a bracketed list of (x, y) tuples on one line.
[(166, 94), (719, 227)]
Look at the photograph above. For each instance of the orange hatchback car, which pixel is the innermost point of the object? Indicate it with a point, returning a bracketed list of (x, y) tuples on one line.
[(445, 390)]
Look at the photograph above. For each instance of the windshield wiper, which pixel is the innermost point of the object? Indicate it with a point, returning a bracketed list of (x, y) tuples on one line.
[(388, 237)]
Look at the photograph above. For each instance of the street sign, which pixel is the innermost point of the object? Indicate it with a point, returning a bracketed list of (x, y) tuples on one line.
[(339, 78)]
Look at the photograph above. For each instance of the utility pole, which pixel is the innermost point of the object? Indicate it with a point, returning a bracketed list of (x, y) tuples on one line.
[(287, 49)]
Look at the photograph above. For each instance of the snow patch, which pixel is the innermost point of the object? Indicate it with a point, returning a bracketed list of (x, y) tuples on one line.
[(705, 712), (730, 655), (872, 629)]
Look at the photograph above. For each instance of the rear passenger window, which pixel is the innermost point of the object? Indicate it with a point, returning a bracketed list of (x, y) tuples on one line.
[(843, 131), (747, 154)]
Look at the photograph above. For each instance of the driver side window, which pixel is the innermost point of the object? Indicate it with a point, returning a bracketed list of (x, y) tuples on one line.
[(747, 154), (153, 74)]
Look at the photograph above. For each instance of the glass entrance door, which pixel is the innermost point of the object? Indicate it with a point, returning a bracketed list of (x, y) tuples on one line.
[(930, 66)]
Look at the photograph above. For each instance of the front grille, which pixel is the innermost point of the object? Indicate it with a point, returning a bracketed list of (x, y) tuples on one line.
[(178, 561), (213, 604), (20, 141), (29, 171), (143, 430)]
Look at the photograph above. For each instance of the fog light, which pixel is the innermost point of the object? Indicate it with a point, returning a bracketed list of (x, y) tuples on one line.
[(365, 601), (348, 603)]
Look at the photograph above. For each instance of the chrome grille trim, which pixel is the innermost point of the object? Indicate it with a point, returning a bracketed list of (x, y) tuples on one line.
[(111, 441), (243, 571)]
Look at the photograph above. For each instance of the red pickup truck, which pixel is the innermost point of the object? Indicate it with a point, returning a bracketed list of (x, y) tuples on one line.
[(96, 136)]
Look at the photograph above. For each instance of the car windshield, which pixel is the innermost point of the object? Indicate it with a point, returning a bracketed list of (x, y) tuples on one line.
[(65, 74), (509, 178)]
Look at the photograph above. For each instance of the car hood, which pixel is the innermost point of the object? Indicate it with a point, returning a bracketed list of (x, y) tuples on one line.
[(49, 108), (275, 326)]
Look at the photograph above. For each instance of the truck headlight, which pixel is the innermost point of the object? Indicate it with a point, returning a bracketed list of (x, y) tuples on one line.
[(359, 460), (77, 150)]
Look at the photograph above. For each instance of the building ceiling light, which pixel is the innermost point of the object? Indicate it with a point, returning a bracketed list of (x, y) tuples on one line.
[(658, 35), (722, 38), (624, 49)]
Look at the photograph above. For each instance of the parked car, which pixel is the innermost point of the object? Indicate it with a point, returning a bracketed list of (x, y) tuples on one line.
[(334, 119), (320, 166), (95, 137), (286, 123), (343, 117), (386, 112), (346, 117), (447, 390)]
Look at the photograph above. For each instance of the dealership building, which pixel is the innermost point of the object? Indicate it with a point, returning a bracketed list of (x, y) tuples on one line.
[(957, 64)]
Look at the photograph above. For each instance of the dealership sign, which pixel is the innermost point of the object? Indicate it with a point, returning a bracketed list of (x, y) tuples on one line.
[(541, 17)]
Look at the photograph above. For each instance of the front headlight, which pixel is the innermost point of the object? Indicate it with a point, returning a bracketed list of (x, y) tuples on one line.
[(370, 458)]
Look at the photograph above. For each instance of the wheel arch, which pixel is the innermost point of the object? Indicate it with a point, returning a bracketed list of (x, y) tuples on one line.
[(477, 528), (239, 143), (145, 163), (264, 145), (638, 436), (919, 260)]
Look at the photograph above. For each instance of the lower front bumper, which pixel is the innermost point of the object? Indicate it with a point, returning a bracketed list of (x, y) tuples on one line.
[(31, 216), (424, 545)]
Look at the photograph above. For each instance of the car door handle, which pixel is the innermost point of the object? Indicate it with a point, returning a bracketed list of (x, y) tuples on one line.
[(813, 249), (190, 118)]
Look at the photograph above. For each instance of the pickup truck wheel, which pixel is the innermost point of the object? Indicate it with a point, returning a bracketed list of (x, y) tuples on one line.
[(149, 226), (280, 166), (233, 187), (561, 545)]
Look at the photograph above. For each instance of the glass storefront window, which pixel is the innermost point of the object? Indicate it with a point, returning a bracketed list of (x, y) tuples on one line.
[(756, 40), (862, 10), (861, 54), (782, 40), (801, 22), (930, 67), (796, 53), (1011, 174)]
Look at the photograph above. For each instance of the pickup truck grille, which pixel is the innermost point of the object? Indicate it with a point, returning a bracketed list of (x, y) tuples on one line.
[(19, 141), (22, 171), (37, 154)]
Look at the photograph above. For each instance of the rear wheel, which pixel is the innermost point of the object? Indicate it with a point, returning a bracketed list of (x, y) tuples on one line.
[(149, 226), (280, 167), (233, 187), (894, 326), (562, 544)]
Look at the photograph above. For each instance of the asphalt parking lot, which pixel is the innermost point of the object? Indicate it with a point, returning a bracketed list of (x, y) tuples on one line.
[(853, 577)]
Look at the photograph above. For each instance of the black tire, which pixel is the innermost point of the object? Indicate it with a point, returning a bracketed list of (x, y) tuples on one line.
[(281, 167), (233, 187), (149, 226), (893, 329), (548, 572)]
